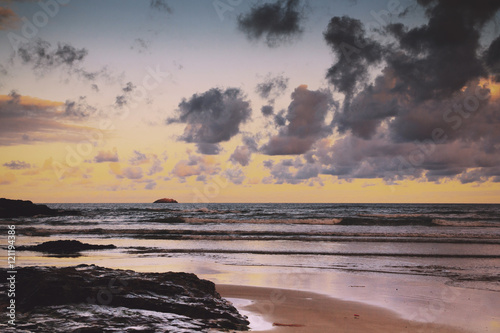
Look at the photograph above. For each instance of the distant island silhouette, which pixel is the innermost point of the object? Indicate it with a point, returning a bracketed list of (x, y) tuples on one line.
[(166, 200)]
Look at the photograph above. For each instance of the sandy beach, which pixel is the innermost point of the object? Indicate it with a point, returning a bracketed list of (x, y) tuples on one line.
[(300, 311)]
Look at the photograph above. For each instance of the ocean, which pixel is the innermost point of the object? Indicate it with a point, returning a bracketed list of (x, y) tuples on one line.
[(457, 242)]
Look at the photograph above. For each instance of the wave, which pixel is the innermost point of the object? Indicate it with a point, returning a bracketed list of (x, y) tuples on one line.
[(465, 223), (389, 220), (266, 235), (314, 253)]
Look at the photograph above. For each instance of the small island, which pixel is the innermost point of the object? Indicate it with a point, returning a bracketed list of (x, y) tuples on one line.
[(166, 200)]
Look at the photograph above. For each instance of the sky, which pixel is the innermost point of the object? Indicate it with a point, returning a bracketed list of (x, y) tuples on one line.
[(390, 101)]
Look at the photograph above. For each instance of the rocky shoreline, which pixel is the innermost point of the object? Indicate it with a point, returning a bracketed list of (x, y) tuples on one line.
[(25, 208), (88, 299)]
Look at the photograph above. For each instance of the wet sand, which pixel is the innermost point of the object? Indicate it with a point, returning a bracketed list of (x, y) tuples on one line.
[(284, 310)]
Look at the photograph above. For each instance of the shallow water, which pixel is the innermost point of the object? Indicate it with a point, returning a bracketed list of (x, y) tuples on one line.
[(458, 242)]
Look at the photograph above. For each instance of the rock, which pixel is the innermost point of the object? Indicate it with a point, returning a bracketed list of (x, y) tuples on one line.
[(19, 208), (64, 246), (165, 200), (95, 299), (15, 208)]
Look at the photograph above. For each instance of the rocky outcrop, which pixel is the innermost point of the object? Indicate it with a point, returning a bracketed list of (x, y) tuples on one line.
[(95, 299), (20, 208), (166, 200), (64, 247)]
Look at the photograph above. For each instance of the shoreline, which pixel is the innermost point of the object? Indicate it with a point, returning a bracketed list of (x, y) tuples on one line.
[(306, 312), (410, 298)]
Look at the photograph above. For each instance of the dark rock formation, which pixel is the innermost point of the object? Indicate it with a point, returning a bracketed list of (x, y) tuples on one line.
[(64, 246), (95, 299), (18, 208), (15, 208), (166, 200)]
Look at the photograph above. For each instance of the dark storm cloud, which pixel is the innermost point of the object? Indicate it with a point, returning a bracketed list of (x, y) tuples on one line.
[(209, 148), (492, 58), (275, 22), (161, 6), (369, 108), (355, 53), (436, 139), (280, 119), (272, 87), (429, 114), (17, 165), (305, 123), (212, 117), (267, 110), (432, 53)]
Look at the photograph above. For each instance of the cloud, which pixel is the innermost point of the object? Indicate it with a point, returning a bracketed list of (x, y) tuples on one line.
[(151, 160), (150, 185), (212, 117), (267, 110), (7, 18), (272, 87), (420, 118), (305, 123), (138, 158), (450, 40), (79, 108), (28, 120), (276, 22), (140, 45), (290, 171), (106, 156), (44, 58), (196, 165), (41, 55), (370, 107), (156, 166), (161, 6), (492, 58), (17, 165), (234, 175), (243, 153), (355, 53), (132, 173), (122, 100)]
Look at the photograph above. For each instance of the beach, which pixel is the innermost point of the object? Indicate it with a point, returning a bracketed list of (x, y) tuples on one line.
[(306, 312)]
